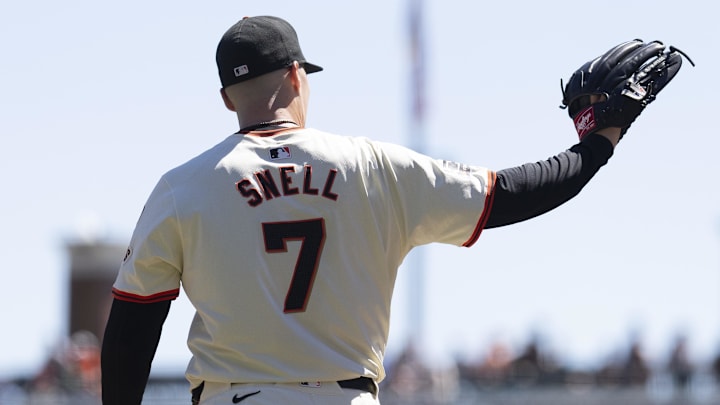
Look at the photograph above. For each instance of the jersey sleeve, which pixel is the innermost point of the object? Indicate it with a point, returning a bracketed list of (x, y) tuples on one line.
[(151, 269), (438, 200)]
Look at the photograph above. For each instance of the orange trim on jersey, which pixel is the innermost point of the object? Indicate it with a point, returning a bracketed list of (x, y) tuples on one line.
[(489, 197), (145, 299), (270, 132)]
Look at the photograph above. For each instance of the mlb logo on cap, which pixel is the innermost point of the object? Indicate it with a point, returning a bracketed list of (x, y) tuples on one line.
[(241, 70)]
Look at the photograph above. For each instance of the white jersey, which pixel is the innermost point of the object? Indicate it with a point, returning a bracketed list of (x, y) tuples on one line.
[(288, 242)]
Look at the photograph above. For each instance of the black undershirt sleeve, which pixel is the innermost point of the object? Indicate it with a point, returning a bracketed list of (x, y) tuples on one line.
[(131, 337), (532, 189)]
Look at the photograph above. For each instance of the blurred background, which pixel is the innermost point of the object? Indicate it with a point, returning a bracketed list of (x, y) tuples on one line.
[(611, 298)]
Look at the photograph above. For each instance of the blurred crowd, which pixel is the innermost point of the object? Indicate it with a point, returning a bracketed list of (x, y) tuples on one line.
[(74, 369), (536, 367)]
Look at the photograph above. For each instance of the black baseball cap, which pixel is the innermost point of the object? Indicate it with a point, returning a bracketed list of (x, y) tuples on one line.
[(258, 45)]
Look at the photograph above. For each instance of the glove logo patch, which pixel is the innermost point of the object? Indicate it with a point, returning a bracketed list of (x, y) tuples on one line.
[(585, 122)]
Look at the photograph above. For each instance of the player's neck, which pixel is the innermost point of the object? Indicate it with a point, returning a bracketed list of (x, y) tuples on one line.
[(269, 124), (280, 117)]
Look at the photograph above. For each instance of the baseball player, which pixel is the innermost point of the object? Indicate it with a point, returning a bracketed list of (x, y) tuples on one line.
[(287, 239)]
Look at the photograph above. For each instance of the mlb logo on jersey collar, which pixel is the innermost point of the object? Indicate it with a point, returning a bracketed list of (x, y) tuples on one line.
[(315, 384)]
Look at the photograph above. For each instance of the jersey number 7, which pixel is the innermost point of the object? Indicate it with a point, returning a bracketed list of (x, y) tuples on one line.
[(311, 233)]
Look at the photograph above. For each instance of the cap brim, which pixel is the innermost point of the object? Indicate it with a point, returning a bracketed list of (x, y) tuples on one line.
[(311, 68)]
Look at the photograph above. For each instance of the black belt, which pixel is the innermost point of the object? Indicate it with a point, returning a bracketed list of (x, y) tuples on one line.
[(196, 392), (361, 383)]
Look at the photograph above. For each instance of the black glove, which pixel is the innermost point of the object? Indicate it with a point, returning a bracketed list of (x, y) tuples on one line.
[(624, 80)]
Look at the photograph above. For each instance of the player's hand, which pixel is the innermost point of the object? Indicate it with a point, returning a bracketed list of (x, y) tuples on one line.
[(613, 134)]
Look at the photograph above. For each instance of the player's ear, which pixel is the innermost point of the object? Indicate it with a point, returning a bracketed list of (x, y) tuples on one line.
[(296, 75), (228, 103)]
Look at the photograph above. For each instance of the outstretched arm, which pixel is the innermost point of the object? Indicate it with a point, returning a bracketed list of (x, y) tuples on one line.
[(131, 338), (526, 191)]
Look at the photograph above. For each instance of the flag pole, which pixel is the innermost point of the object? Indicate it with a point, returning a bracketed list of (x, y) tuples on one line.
[(416, 134)]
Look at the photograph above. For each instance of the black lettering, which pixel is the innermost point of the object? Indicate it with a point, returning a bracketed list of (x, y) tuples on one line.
[(286, 181), (307, 188), (248, 191), (266, 187), (327, 193), (266, 181)]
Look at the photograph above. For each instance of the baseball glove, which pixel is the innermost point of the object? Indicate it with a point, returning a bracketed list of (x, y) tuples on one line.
[(614, 88)]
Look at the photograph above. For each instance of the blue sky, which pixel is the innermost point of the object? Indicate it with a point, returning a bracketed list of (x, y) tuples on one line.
[(98, 100)]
